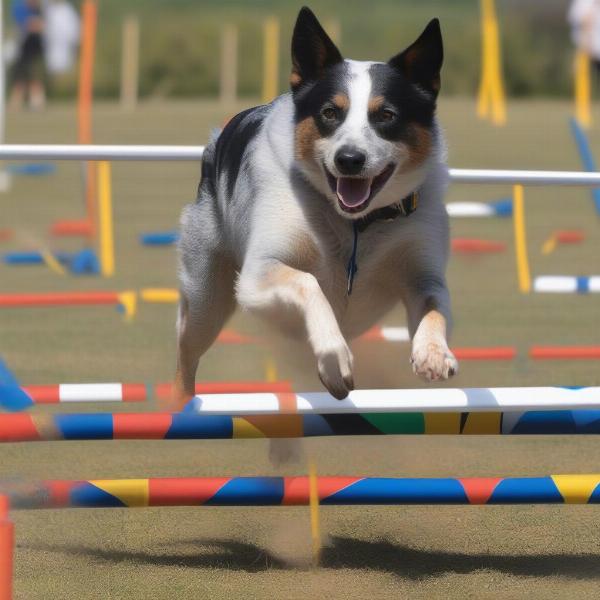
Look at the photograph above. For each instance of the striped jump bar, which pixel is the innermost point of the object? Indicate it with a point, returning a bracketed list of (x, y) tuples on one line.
[(559, 284), (87, 392), (127, 300), (295, 491), (416, 400), (24, 427)]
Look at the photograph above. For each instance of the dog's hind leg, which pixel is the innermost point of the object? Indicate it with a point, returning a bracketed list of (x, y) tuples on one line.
[(207, 301)]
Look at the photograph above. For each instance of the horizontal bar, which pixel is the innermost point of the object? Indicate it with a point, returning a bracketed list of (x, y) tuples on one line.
[(194, 153), (24, 427), (575, 178), (59, 299), (567, 284), (390, 401), (295, 491), (99, 152), (564, 352), (86, 392)]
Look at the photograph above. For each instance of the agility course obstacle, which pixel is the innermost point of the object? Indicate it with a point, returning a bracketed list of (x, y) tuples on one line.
[(567, 284), (295, 491), (565, 352), (562, 237), (474, 246), (159, 238), (7, 543), (483, 353), (500, 208), (163, 390), (491, 97), (86, 392), (415, 400), (127, 300), (587, 157), (23, 427)]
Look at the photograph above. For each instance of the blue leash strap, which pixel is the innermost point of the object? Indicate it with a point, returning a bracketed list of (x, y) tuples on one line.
[(352, 268)]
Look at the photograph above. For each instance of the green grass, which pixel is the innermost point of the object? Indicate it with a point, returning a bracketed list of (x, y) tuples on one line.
[(262, 553)]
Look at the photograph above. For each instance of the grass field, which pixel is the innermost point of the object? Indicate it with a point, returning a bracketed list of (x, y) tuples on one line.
[(415, 552)]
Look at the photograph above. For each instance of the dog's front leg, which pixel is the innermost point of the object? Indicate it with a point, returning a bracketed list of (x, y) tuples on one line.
[(428, 308), (278, 292)]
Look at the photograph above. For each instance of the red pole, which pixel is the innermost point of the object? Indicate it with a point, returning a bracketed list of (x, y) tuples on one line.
[(7, 541)]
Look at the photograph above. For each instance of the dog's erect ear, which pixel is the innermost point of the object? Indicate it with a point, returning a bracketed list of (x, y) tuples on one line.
[(422, 61), (312, 50)]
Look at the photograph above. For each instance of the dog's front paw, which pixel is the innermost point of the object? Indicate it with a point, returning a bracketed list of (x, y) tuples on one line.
[(335, 370), (433, 361)]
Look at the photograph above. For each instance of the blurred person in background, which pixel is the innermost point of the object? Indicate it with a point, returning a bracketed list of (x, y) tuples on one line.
[(61, 36), (28, 70), (584, 19)]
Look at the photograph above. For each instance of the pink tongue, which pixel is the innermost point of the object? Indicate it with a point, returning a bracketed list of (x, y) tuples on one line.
[(353, 192)]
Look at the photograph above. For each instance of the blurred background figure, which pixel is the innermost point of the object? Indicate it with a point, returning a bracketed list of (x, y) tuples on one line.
[(28, 70), (61, 36), (584, 19)]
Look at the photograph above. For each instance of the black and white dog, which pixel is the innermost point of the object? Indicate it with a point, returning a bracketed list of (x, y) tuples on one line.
[(322, 210)]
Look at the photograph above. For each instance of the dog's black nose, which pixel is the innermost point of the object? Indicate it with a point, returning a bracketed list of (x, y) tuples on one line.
[(350, 161)]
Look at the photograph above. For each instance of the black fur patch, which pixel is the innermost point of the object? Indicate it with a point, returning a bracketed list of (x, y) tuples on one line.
[(233, 141), (311, 98), (407, 101)]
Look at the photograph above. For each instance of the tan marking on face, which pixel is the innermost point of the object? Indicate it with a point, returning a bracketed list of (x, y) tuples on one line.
[(306, 136), (375, 103), (341, 101), (419, 142)]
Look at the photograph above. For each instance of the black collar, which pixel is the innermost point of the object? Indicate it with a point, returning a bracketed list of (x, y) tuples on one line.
[(404, 208)]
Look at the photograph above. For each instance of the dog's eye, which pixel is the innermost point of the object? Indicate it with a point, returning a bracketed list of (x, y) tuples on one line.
[(329, 113), (387, 115)]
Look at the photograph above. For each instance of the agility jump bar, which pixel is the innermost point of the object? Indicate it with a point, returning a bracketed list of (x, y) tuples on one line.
[(163, 390), (566, 284), (295, 491), (23, 427), (89, 152), (415, 400), (86, 392), (62, 299)]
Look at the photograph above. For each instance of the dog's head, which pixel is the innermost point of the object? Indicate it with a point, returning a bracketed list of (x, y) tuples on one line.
[(363, 128)]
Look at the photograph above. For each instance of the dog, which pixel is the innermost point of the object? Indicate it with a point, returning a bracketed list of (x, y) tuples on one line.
[(322, 210)]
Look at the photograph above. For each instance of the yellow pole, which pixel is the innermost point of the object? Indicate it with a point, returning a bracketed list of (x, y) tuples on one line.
[(270, 59), (497, 84), (105, 220), (483, 96), (583, 89), (491, 98), (523, 272), (315, 521)]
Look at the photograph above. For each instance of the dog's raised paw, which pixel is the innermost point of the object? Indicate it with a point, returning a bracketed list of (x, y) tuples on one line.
[(433, 361), (335, 371)]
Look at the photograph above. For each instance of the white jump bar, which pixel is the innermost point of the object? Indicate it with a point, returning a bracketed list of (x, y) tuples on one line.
[(396, 401), (194, 153)]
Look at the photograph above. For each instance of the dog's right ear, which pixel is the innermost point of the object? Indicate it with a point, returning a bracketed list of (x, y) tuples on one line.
[(312, 50)]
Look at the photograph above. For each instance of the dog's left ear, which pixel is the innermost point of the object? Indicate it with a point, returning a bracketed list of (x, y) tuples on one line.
[(421, 62), (312, 50)]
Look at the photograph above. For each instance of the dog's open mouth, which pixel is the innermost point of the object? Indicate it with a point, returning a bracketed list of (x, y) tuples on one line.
[(355, 193)]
